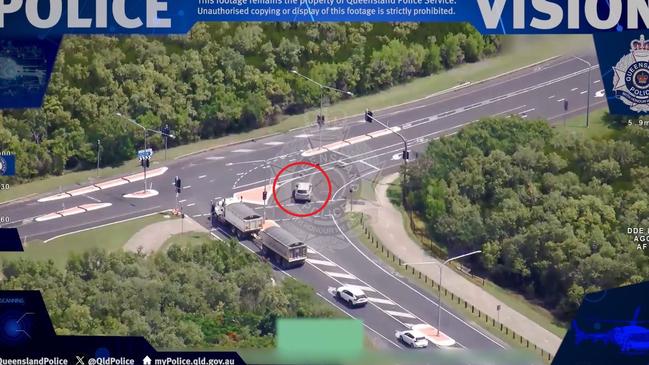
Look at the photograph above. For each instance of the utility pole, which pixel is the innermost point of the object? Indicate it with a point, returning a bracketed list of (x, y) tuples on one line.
[(439, 286), (590, 66), (98, 152), (321, 118)]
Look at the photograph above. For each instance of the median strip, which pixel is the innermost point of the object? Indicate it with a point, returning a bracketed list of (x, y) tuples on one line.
[(71, 211)]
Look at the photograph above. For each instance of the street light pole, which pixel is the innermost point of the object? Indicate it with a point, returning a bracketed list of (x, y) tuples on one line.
[(439, 286), (98, 152), (322, 90), (590, 66)]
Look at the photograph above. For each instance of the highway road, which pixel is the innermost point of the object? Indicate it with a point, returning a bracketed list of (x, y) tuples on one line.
[(356, 151)]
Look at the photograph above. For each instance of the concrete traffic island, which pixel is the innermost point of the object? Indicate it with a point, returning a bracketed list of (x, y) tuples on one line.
[(142, 194)]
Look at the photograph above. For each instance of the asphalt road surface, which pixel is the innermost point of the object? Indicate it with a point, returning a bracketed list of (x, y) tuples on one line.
[(335, 257)]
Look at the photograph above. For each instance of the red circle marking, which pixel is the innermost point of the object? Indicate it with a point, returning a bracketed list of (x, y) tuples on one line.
[(317, 167)]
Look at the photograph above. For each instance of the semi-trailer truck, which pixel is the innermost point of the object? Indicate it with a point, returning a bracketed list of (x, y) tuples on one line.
[(282, 247), (242, 220)]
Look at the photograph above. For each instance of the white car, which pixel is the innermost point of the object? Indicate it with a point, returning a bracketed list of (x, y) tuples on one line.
[(412, 339), (354, 297), (302, 192)]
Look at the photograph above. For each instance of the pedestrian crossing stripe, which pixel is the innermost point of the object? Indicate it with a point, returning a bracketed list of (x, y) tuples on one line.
[(274, 143), (363, 288), (320, 262), (242, 150), (381, 301), (400, 314), (340, 275)]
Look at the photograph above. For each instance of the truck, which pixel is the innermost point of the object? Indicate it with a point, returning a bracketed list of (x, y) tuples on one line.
[(242, 220), (280, 246)]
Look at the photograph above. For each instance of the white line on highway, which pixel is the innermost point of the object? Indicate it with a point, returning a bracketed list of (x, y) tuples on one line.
[(583, 92), (333, 218), (551, 96), (274, 143), (91, 198), (242, 150), (361, 287), (340, 275), (400, 314), (187, 187), (364, 325), (320, 262), (191, 205), (182, 201), (202, 176), (380, 300), (560, 100), (528, 110), (574, 88), (509, 110), (596, 81), (100, 226)]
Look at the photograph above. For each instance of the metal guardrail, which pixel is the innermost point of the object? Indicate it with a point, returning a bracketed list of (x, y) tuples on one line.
[(456, 299)]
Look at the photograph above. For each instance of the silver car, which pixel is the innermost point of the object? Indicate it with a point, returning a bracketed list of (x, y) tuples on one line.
[(302, 192)]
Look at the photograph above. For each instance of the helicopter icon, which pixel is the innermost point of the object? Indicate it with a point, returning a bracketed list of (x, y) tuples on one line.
[(631, 338)]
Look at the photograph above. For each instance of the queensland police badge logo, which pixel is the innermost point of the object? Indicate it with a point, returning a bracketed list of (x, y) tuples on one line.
[(631, 79), (3, 166)]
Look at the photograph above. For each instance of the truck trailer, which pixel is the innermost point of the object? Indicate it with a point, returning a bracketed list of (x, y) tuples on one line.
[(282, 247), (242, 220)]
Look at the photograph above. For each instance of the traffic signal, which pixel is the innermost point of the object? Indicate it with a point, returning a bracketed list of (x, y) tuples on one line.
[(166, 129), (406, 155), (146, 162), (264, 195), (368, 116), (178, 184), (320, 119)]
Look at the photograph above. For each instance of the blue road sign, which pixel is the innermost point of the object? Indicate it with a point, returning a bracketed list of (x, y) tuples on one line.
[(143, 154)]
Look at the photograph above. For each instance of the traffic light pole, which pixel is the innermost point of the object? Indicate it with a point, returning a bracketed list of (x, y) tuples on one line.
[(144, 162), (405, 157)]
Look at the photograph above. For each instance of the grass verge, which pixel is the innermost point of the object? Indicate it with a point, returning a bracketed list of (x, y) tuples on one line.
[(519, 52), (598, 129), (110, 238), (187, 239), (482, 321)]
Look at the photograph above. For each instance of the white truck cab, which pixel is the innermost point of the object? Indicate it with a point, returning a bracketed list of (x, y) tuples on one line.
[(302, 192), (354, 297)]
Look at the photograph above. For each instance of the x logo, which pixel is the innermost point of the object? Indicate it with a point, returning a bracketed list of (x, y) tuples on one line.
[(80, 360)]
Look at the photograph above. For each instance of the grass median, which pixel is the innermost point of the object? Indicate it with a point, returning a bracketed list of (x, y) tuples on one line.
[(519, 52)]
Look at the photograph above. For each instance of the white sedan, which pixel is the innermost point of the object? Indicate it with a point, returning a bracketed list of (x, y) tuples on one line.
[(412, 338)]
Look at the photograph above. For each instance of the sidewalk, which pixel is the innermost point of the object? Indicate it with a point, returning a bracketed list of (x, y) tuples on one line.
[(387, 223)]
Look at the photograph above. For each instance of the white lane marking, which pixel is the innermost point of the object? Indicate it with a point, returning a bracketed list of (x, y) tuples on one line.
[(242, 150), (596, 81), (182, 201), (309, 250), (202, 176), (574, 88), (380, 300), (333, 218), (187, 187), (364, 325), (274, 143), (191, 205), (320, 262), (333, 128), (340, 275), (304, 135), (583, 92), (527, 111), (510, 110), (93, 199), (361, 287), (551, 96), (214, 158), (600, 94), (560, 100), (400, 314)]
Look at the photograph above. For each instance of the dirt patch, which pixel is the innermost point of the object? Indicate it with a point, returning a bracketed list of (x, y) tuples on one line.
[(152, 237)]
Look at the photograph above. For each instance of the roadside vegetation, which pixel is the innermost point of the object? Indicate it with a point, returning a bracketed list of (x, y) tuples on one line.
[(209, 295), (222, 78), (548, 207)]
